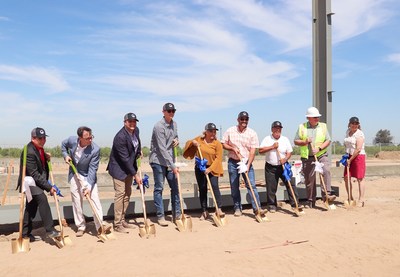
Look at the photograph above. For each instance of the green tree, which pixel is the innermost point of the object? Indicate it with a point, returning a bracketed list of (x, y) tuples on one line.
[(383, 137)]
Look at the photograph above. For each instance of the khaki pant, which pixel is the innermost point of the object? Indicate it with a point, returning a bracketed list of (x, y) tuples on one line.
[(123, 191), (77, 201)]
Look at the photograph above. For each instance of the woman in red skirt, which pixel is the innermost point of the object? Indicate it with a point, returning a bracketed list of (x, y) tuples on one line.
[(355, 147)]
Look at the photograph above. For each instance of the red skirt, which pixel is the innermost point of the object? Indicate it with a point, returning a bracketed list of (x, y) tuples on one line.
[(357, 167)]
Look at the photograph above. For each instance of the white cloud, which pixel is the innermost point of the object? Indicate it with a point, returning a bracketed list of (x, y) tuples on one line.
[(355, 17), (50, 78), (394, 58)]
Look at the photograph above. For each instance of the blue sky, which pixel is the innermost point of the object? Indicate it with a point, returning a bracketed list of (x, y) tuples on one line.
[(69, 63)]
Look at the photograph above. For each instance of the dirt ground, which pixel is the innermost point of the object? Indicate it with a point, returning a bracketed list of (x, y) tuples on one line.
[(341, 242)]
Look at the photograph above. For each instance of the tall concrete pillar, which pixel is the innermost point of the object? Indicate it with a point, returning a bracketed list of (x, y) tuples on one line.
[(322, 59)]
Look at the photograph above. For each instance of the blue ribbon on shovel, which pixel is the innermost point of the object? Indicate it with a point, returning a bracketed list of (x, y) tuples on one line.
[(58, 191), (344, 159), (287, 171), (145, 182), (201, 163)]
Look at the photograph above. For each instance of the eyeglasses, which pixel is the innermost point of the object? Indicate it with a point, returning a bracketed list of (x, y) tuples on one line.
[(170, 111), (244, 119), (89, 138)]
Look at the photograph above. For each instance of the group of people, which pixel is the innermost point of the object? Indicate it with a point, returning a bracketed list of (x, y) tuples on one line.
[(240, 141)]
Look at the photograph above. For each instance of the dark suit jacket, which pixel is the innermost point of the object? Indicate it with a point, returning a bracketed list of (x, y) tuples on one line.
[(123, 155), (35, 169)]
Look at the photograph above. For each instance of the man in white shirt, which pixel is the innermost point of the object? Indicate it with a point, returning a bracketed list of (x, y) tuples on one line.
[(278, 150), (85, 155)]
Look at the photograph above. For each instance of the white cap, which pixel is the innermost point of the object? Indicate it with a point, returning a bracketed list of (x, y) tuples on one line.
[(313, 112)]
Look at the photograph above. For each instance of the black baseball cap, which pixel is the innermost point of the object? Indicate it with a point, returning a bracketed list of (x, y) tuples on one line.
[(38, 133), (169, 107), (276, 124), (354, 119), (210, 126), (243, 114), (130, 116)]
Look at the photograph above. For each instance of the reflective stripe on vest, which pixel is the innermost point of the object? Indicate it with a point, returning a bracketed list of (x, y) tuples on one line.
[(319, 139)]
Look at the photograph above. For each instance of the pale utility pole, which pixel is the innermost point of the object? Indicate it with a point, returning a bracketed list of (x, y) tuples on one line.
[(322, 59)]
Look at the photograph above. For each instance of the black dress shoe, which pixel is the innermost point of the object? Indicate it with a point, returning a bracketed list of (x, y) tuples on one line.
[(53, 234)]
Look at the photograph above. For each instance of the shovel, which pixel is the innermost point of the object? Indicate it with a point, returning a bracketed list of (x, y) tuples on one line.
[(103, 234), (183, 223), (350, 202), (298, 211), (21, 244), (321, 177), (149, 229), (218, 217), (3, 200), (62, 240), (260, 217)]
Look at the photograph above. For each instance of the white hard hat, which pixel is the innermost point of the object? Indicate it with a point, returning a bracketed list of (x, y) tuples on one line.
[(313, 112)]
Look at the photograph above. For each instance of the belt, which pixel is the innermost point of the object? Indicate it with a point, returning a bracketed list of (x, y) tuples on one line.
[(271, 165), (236, 161)]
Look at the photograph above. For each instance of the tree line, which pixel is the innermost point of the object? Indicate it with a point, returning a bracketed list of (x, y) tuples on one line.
[(383, 141)]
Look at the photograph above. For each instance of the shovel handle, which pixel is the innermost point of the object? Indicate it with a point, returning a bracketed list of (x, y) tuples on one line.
[(56, 199), (87, 197), (290, 184), (139, 162)]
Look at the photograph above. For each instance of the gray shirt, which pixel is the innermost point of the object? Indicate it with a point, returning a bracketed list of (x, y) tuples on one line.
[(161, 148)]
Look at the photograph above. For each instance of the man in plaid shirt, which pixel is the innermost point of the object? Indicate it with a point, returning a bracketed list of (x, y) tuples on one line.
[(241, 142)]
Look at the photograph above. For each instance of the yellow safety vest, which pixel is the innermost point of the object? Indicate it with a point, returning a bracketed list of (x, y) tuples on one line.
[(319, 139)]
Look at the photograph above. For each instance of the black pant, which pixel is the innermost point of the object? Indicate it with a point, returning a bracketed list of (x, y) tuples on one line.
[(202, 183), (38, 201), (272, 175)]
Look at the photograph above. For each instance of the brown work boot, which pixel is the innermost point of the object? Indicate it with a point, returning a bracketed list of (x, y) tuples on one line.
[(162, 222), (120, 229), (128, 225), (238, 213)]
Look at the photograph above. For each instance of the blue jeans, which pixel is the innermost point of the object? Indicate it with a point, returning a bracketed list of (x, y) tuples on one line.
[(234, 178), (160, 173)]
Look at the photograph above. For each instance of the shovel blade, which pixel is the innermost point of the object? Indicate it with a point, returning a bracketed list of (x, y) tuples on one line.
[(184, 223), (261, 217), (67, 241), (20, 245), (147, 231), (219, 220)]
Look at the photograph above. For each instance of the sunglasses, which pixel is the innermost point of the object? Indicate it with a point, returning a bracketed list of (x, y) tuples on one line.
[(88, 138), (170, 111), (244, 119)]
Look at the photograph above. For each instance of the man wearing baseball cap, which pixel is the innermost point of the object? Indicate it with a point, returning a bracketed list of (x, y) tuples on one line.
[(122, 167), (313, 138), (37, 173), (163, 141), (241, 142), (278, 150)]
